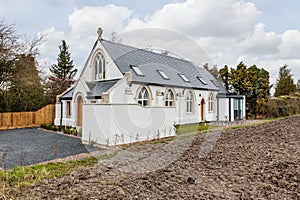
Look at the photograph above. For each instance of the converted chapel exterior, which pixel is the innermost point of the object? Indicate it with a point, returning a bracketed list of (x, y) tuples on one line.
[(125, 94)]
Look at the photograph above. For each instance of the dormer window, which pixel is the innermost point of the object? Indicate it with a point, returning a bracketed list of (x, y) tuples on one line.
[(99, 67), (137, 70)]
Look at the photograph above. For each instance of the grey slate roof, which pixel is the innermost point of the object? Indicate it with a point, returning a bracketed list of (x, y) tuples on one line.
[(149, 62), (97, 88), (68, 95)]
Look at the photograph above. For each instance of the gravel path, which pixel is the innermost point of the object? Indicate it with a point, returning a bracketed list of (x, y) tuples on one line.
[(32, 145)]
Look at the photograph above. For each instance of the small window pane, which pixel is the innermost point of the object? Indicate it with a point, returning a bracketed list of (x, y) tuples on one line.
[(189, 102), (143, 97), (137, 70), (68, 108), (169, 98), (99, 67), (211, 103), (184, 78), (202, 80), (163, 74)]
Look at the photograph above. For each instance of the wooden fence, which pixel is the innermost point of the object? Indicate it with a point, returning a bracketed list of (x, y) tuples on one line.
[(10, 120)]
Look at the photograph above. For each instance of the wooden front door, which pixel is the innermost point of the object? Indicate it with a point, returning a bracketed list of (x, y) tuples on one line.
[(79, 111), (202, 110)]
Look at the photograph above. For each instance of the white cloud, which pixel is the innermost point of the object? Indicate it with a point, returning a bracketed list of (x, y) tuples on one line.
[(205, 17), (260, 42), (290, 47), (52, 39), (85, 21), (84, 24), (228, 30)]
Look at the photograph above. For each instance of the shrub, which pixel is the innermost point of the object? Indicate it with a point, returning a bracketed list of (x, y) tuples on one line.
[(74, 131), (67, 130), (43, 125), (282, 107)]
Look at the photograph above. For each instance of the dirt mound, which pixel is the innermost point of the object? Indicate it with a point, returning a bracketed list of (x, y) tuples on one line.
[(254, 162)]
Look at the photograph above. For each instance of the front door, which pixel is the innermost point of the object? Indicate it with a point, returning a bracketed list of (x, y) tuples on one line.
[(202, 110), (79, 111)]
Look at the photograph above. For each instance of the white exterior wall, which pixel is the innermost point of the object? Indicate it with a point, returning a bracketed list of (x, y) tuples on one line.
[(244, 108), (223, 109), (80, 90), (121, 124), (111, 70), (119, 96), (232, 110), (57, 114), (184, 118), (66, 120)]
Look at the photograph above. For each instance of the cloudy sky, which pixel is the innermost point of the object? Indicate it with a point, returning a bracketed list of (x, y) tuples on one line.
[(261, 32)]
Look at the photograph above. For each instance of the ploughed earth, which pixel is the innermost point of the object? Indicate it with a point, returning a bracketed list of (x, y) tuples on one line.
[(254, 162)]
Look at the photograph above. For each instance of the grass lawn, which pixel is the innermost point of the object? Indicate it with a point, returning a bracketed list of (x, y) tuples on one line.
[(15, 179), (200, 127)]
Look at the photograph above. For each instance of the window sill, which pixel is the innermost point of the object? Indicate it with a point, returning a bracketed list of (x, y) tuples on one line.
[(190, 113)]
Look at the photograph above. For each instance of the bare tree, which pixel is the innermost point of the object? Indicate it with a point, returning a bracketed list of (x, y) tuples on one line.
[(15, 54)]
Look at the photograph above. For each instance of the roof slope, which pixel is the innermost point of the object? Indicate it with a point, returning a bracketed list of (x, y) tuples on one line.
[(68, 94), (149, 62), (97, 88)]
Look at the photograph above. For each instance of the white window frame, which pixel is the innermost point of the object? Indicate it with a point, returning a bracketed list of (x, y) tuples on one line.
[(190, 102), (211, 102), (99, 67), (184, 78), (137, 70), (169, 98), (163, 74), (143, 96), (202, 80), (68, 109)]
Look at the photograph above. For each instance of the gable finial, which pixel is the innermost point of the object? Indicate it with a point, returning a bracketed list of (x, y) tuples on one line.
[(100, 31)]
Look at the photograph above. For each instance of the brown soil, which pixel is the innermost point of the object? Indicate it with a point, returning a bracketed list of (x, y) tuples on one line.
[(256, 162)]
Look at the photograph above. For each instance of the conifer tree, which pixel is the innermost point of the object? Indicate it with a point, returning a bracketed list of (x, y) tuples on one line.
[(26, 93), (285, 83), (225, 76), (62, 73), (252, 82)]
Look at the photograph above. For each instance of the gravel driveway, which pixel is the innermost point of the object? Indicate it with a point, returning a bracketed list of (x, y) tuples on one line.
[(31, 146)]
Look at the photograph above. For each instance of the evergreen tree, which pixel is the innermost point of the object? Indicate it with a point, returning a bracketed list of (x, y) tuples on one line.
[(285, 83), (225, 76), (241, 79), (259, 96), (251, 82), (26, 93), (20, 84), (62, 73)]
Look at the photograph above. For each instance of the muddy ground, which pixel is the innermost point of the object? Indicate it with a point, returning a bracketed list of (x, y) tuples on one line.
[(257, 162)]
